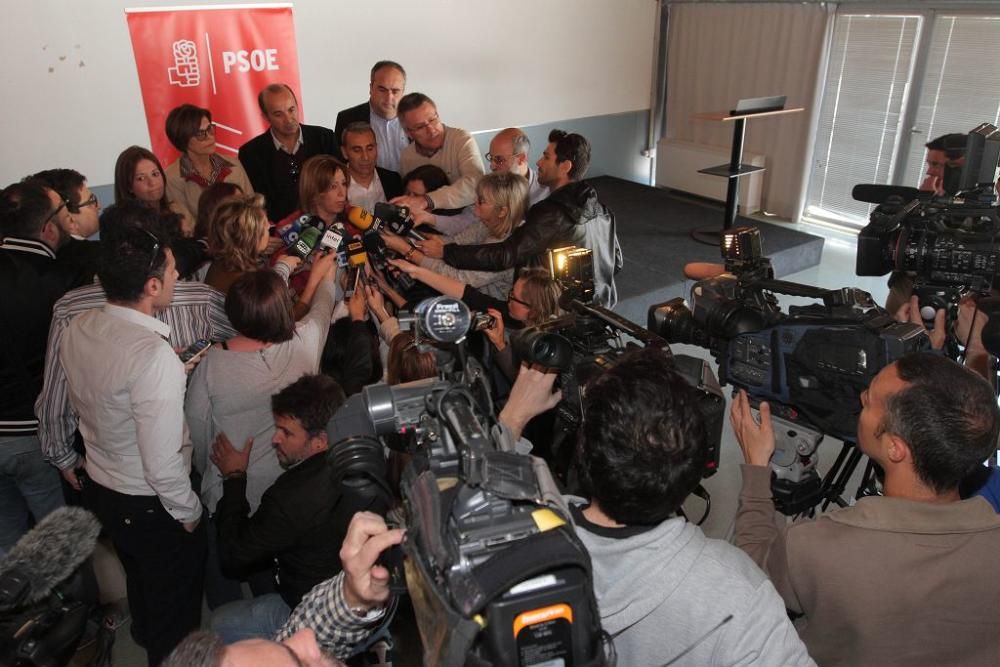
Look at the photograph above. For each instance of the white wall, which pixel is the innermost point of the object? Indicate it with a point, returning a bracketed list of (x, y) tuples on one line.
[(71, 92)]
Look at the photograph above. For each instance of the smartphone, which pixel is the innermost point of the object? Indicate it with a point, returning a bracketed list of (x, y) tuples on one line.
[(195, 350)]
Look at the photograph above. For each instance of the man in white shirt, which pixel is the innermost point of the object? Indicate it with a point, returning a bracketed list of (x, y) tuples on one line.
[(127, 385), (370, 184), (387, 85)]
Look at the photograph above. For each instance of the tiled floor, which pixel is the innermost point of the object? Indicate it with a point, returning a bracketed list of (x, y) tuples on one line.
[(835, 270)]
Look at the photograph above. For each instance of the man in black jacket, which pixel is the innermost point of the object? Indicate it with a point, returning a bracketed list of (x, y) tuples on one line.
[(302, 518), (273, 160), (33, 219), (370, 184), (570, 216), (387, 86)]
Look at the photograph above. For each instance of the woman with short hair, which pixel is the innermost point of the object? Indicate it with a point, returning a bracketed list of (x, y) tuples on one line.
[(191, 131)]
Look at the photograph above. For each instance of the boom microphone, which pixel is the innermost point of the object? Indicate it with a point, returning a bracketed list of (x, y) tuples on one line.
[(46, 556)]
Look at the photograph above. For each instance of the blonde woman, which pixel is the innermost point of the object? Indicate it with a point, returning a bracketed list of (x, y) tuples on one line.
[(501, 204)]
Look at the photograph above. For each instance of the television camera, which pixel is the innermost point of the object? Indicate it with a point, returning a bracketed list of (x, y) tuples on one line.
[(493, 567), (586, 342), (947, 245), (810, 364)]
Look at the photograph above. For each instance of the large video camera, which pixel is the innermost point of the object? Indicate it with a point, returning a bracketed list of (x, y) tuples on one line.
[(810, 364), (495, 571), (948, 244), (588, 341)]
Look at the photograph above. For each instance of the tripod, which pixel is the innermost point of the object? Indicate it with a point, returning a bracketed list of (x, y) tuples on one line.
[(801, 499)]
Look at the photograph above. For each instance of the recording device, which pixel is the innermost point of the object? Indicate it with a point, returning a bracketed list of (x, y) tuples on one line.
[(195, 350), (308, 239), (495, 571), (357, 258), (385, 218), (810, 364), (371, 227), (588, 341), (949, 244), (42, 613), (332, 237)]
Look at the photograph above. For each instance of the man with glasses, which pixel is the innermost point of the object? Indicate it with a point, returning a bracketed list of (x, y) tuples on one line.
[(83, 220), (450, 148), (509, 151), (32, 222), (386, 87), (273, 160), (126, 385)]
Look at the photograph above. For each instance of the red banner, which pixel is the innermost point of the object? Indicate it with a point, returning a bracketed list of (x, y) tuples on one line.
[(216, 58)]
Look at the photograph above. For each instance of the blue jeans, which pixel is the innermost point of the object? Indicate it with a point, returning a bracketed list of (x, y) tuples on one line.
[(29, 487), (260, 617)]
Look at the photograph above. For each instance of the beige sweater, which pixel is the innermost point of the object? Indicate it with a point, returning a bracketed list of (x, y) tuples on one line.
[(185, 194), (887, 581), (460, 159)]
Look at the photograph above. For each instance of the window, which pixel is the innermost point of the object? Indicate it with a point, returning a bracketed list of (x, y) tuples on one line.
[(871, 58), (893, 83), (959, 89)]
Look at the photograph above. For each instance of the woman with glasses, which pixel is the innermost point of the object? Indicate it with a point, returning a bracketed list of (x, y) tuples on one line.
[(533, 299), (139, 177), (501, 204), (191, 130)]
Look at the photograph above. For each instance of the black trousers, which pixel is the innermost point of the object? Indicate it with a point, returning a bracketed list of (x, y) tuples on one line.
[(164, 566)]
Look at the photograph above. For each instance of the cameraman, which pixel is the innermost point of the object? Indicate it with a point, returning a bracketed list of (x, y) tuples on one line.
[(909, 578), (661, 585)]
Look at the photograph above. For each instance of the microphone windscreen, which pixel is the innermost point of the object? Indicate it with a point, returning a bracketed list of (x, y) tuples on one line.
[(359, 217), (51, 552)]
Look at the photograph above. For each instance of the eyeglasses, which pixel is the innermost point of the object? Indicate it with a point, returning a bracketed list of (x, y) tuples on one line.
[(205, 131), (155, 250), (62, 204), (511, 297), (90, 202), (433, 120), (498, 160)]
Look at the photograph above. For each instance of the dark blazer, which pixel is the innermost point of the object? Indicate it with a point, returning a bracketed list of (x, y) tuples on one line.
[(256, 156), (361, 113), (392, 182)]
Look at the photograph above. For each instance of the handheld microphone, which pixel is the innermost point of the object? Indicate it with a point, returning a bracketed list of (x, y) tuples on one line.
[(332, 237), (289, 232), (308, 238), (46, 556), (356, 260), (362, 219), (398, 219)]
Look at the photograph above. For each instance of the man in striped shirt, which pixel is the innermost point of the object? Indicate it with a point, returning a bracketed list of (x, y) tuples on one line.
[(196, 311)]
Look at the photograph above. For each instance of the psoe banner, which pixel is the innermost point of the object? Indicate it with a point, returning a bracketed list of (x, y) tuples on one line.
[(215, 57)]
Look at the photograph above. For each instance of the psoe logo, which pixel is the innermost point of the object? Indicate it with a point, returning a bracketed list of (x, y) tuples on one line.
[(185, 72)]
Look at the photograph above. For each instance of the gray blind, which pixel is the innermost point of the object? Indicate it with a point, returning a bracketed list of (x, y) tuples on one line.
[(870, 62), (960, 88)]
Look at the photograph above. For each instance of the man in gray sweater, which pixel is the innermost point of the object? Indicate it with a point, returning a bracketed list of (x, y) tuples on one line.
[(662, 587)]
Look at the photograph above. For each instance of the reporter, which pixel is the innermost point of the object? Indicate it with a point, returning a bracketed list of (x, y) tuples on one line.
[(238, 235), (501, 203)]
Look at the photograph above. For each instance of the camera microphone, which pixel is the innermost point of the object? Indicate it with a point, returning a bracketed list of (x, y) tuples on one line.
[(46, 556)]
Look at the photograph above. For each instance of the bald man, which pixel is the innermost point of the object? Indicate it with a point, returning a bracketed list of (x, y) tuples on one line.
[(509, 152)]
